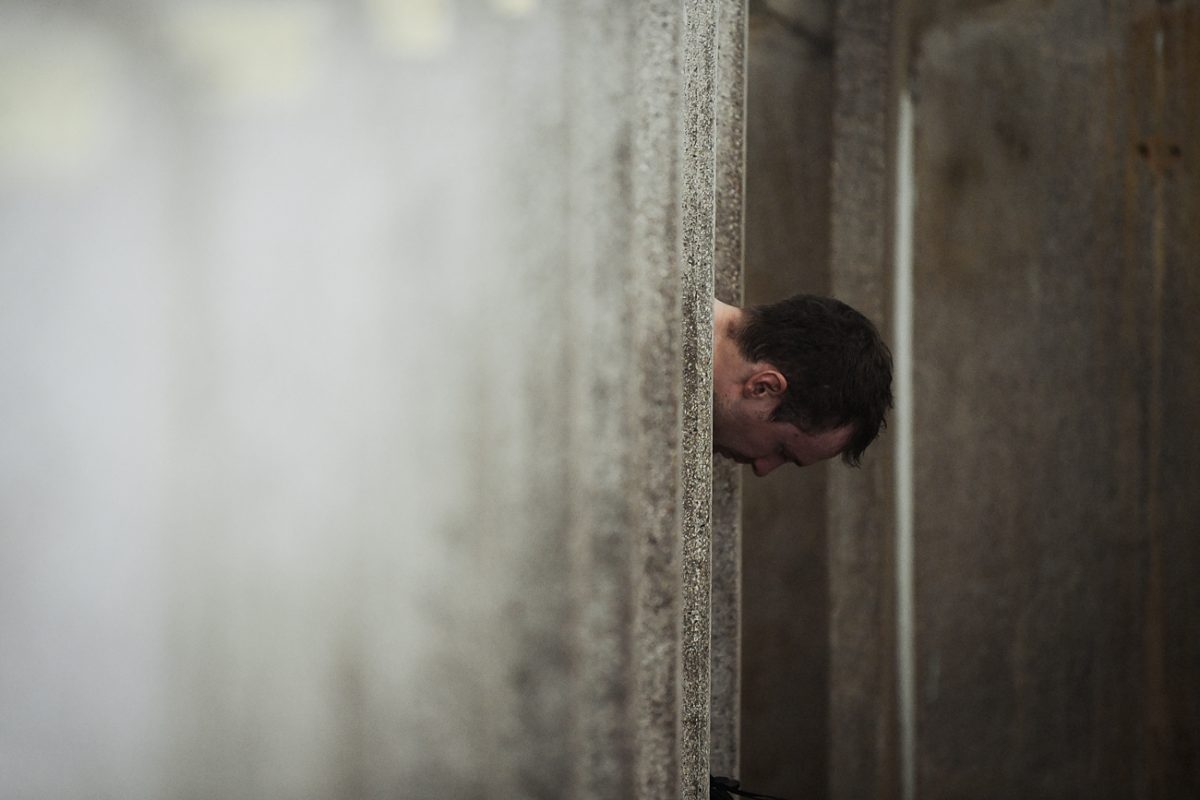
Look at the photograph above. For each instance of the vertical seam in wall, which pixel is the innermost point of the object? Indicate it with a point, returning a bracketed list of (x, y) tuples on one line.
[(903, 421)]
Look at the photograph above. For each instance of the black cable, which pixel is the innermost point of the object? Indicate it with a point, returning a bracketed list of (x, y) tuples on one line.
[(721, 788)]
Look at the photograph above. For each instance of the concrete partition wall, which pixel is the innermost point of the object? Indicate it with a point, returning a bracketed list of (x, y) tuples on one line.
[(785, 674), (356, 398)]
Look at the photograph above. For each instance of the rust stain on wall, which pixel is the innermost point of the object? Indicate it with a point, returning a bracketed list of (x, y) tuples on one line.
[(1163, 76)]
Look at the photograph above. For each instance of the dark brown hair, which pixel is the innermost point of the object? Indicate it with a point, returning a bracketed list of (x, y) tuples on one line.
[(838, 370)]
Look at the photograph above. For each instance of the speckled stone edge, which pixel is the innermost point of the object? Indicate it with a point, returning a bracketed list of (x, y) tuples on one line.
[(728, 248), (699, 65)]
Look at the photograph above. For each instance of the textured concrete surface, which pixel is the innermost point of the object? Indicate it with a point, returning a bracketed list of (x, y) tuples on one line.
[(729, 116), (343, 403), (785, 671), (699, 67), (657, 321), (601, 486), (863, 718), (1056, 332), (1056, 389)]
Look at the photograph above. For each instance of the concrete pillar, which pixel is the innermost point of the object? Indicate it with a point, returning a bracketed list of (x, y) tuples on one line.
[(359, 359), (785, 677), (863, 758)]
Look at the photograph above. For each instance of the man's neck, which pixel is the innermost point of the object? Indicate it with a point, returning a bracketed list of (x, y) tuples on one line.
[(728, 363)]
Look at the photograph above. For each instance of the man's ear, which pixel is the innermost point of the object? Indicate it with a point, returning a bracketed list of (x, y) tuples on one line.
[(767, 384)]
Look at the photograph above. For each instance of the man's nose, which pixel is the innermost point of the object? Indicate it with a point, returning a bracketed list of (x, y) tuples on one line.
[(764, 466)]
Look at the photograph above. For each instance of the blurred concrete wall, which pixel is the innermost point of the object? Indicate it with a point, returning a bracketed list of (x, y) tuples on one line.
[(356, 398)]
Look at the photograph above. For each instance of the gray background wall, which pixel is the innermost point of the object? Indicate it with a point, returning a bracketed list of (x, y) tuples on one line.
[(785, 707), (1055, 379), (1057, 352)]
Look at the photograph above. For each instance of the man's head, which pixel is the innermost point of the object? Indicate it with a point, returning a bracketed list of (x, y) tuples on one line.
[(802, 380)]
